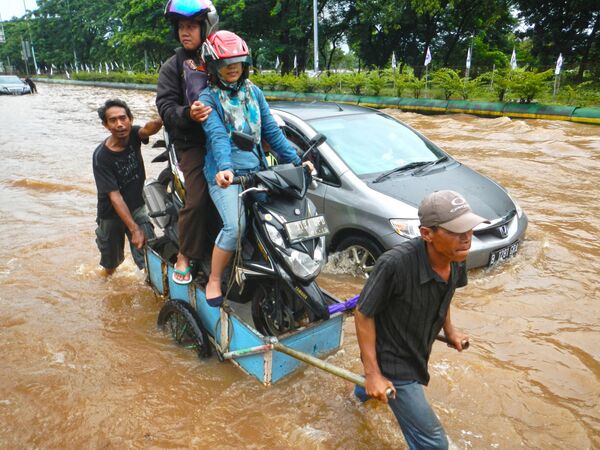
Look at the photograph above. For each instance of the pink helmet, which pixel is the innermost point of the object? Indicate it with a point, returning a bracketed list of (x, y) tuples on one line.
[(223, 48)]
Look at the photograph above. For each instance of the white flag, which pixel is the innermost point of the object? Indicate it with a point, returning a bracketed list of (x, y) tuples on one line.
[(513, 60), (427, 57), (559, 62), (394, 60), (277, 62), (469, 58), (295, 62)]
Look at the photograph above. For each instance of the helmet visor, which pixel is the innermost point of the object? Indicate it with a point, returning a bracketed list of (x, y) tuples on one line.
[(188, 8)]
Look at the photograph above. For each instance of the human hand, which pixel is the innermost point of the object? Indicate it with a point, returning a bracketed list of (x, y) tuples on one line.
[(457, 340), (377, 386), (310, 165), (138, 238), (199, 112), (224, 178)]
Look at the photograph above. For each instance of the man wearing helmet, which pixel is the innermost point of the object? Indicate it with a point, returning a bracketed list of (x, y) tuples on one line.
[(181, 79)]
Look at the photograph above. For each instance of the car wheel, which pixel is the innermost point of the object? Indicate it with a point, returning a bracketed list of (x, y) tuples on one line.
[(358, 254)]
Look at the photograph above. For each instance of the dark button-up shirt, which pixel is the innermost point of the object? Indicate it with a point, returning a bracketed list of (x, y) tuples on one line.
[(409, 303)]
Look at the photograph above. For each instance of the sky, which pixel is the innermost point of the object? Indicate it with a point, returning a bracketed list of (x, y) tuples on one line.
[(10, 8)]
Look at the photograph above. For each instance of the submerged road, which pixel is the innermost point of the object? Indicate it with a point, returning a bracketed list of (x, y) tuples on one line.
[(83, 366)]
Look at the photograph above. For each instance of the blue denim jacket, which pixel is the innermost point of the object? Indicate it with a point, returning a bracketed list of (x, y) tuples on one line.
[(223, 154)]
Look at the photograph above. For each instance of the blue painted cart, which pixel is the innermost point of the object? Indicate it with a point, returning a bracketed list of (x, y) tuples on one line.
[(228, 328)]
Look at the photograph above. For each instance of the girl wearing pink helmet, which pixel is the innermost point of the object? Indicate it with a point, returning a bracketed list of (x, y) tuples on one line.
[(237, 106)]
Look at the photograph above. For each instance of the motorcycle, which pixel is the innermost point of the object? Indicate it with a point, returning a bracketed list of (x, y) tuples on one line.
[(282, 252)]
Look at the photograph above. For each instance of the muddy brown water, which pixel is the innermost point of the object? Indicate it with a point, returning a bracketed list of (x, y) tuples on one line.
[(82, 364)]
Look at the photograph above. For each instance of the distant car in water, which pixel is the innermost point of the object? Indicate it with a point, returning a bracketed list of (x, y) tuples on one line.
[(374, 172), (13, 85)]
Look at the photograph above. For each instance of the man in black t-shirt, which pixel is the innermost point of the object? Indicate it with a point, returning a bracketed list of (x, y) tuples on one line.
[(404, 305), (119, 173)]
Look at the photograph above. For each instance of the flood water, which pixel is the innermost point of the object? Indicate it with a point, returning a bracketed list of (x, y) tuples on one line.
[(82, 364)]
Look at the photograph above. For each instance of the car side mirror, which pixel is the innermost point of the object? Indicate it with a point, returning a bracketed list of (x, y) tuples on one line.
[(317, 140)]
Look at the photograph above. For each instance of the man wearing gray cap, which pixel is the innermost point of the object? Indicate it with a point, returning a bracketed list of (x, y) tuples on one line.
[(404, 305)]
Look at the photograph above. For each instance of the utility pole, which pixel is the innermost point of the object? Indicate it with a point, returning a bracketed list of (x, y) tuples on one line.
[(30, 40), (316, 36), (71, 27)]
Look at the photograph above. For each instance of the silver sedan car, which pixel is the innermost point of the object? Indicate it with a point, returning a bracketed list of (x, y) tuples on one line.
[(373, 172), (13, 85)]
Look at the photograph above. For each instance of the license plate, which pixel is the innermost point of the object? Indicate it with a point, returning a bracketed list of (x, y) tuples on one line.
[(304, 229), (503, 254)]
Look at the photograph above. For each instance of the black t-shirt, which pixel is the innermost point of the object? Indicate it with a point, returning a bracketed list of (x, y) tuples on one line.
[(120, 171), (409, 303)]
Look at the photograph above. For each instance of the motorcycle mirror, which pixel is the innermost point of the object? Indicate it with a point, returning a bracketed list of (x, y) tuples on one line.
[(243, 141), (317, 140)]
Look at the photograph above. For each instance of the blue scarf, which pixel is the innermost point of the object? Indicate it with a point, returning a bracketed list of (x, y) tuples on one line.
[(241, 109)]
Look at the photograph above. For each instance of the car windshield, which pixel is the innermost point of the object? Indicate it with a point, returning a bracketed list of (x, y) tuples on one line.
[(373, 143), (10, 80)]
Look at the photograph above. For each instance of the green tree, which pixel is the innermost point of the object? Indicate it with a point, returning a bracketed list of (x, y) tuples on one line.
[(568, 27), (448, 81)]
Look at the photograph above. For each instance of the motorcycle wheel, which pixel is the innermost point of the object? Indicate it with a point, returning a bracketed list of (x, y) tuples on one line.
[(179, 320), (274, 316)]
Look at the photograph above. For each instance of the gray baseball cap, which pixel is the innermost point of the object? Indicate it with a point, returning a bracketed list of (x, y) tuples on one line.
[(449, 210)]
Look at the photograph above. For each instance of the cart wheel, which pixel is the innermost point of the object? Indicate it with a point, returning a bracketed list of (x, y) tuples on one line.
[(178, 319)]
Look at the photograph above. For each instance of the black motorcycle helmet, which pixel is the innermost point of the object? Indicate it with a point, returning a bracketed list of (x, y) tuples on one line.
[(200, 10)]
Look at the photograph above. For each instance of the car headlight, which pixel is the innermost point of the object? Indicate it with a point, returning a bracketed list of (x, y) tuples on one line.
[(517, 206), (408, 228)]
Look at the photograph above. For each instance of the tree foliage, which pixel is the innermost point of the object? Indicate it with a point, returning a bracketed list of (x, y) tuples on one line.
[(65, 31)]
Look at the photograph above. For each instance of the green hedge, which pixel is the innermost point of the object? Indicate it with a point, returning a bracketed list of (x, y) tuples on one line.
[(520, 86)]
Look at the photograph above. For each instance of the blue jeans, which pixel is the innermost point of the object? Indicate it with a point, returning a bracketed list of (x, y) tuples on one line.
[(420, 426), (232, 214)]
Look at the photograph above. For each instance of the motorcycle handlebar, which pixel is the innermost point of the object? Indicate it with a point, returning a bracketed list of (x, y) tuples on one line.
[(239, 180)]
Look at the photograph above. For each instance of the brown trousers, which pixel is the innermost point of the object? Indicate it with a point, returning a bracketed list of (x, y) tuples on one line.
[(198, 210)]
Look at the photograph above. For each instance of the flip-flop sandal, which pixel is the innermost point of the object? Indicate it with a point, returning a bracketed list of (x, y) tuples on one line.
[(182, 273)]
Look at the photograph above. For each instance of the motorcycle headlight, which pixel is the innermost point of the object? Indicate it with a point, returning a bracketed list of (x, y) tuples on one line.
[(274, 235), (408, 228), (302, 265)]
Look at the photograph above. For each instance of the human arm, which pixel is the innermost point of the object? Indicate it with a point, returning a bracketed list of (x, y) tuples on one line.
[(170, 98), (218, 143), (152, 127), (376, 384), (137, 235), (271, 132), (456, 338)]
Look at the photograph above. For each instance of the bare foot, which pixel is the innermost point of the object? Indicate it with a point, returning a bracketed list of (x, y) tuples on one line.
[(182, 273)]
